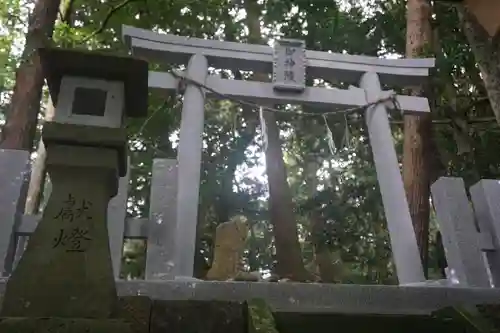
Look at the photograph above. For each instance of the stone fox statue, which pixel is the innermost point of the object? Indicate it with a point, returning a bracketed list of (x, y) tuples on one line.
[(230, 242)]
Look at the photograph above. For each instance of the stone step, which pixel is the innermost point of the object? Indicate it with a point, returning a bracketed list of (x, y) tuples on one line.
[(315, 297)]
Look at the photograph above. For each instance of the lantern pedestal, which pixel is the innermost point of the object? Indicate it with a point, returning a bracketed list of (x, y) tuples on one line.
[(64, 282)]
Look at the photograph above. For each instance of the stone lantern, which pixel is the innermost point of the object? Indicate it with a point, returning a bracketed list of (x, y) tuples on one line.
[(66, 272)]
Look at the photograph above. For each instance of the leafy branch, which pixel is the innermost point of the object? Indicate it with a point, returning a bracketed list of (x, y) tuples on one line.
[(105, 22)]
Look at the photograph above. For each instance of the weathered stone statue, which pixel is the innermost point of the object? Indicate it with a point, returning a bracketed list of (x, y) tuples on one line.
[(230, 241)]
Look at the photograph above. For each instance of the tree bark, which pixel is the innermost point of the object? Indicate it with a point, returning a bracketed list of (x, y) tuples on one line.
[(20, 125), (418, 132), (288, 251), (486, 48), (38, 173), (327, 261)]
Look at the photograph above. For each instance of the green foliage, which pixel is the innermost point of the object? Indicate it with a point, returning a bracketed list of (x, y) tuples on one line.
[(10, 33), (342, 188), (260, 317)]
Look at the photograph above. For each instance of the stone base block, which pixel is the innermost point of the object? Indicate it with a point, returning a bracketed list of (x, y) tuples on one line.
[(63, 325), (136, 310), (198, 316)]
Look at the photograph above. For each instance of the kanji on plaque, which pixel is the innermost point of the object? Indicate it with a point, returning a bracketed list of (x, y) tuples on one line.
[(74, 239), (289, 65), (289, 62), (289, 76), (73, 209)]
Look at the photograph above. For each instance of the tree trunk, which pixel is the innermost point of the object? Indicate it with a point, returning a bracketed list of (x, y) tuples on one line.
[(20, 125), (37, 177), (418, 131), (288, 251), (38, 174), (328, 262), (484, 41)]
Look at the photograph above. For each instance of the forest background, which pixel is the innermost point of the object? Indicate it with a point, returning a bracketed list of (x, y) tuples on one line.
[(312, 212)]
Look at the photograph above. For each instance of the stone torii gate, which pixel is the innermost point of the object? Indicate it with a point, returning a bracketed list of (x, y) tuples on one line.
[(367, 72)]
